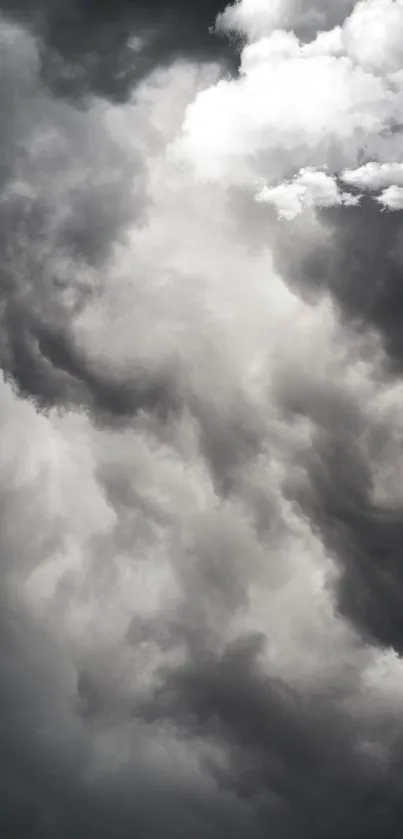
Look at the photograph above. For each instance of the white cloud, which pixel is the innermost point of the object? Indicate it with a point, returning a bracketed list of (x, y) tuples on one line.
[(310, 189), (373, 175), (286, 110), (373, 35), (392, 198), (252, 17), (300, 105), (255, 18)]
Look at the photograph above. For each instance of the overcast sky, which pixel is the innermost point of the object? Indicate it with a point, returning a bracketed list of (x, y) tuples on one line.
[(201, 419)]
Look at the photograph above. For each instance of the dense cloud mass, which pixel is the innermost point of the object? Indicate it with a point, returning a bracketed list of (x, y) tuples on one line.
[(106, 46), (201, 471)]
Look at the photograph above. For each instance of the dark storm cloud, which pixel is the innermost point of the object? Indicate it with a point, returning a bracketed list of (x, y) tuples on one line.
[(69, 190), (358, 258), (292, 759), (350, 254), (105, 48), (365, 537), (292, 765), (200, 447)]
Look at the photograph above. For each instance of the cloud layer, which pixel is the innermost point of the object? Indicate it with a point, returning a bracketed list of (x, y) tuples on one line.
[(201, 427)]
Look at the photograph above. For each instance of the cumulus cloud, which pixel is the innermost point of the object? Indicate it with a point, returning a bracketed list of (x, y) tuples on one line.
[(372, 35), (328, 100), (374, 175), (292, 107), (392, 197), (309, 189), (201, 434)]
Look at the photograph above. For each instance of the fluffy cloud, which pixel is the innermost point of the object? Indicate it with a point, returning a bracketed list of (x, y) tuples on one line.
[(254, 18), (392, 198), (309, 189), (279, 116), (326, 101), (387, 177), (372, 35), (374, 175)]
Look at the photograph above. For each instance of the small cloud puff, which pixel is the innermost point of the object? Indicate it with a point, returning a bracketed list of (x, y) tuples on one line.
[(310, 189), (391, 198)]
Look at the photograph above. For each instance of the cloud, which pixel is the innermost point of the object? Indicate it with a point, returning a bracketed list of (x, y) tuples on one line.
[(392, 198), (69, 195), (301, 104), (200, 442), (255, 18), (309, 189), (104, 49), (372, 35), (374, 175), (265, 124)]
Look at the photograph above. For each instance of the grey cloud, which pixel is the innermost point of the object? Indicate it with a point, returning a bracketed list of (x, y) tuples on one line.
[(290, 760), (363, 534), (91, 48), (69, 192), (357, 257), (200, 494)]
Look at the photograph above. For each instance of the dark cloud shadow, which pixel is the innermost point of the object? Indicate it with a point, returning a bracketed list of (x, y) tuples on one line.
[(105, 48)]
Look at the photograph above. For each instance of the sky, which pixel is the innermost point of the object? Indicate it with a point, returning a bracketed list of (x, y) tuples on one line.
[(201, 424)]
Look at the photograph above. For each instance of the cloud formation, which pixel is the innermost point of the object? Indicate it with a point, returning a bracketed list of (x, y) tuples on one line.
[(326, 102), (201, 430)]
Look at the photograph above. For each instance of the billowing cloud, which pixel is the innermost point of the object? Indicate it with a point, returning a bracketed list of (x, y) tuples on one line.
[(372, 35), (201, 431), (329, 101)]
